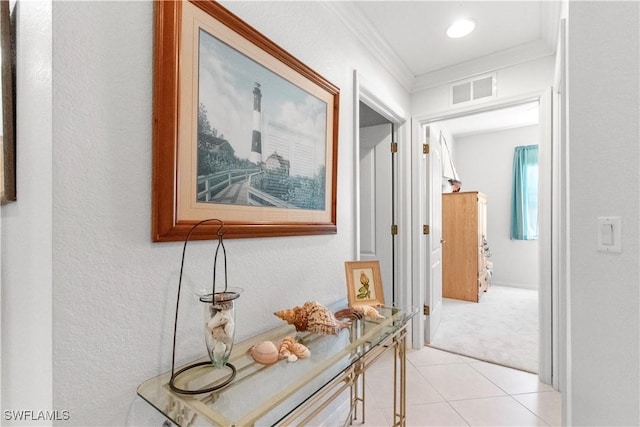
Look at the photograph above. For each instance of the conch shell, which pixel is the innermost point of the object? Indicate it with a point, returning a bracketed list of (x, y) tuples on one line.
[(265, 353), (292, 351), (312, 317), (358, 312)]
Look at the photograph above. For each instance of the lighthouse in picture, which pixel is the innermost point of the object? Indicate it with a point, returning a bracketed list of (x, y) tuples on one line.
[(256, 138)]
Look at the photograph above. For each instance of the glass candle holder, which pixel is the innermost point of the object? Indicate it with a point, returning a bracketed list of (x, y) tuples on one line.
[(220, 324)]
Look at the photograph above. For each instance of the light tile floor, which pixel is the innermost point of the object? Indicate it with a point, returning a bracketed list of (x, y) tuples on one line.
[(445, 389)]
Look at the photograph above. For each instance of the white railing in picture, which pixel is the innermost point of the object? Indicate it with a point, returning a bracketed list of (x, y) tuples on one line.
[(210, 185)]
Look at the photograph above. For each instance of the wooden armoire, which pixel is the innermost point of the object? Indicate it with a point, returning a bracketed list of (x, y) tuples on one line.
[(464, 266)]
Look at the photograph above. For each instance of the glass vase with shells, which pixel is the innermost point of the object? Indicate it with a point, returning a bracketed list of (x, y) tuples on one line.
[(219, 321)]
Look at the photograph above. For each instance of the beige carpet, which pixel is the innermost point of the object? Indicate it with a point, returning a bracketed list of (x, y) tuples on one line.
[(502, 328)]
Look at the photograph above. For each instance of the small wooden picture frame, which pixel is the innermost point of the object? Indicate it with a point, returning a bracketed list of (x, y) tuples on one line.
[(364, 283)]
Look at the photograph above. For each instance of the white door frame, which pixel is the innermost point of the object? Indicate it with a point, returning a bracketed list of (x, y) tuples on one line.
[(368, 94), (549, 286)]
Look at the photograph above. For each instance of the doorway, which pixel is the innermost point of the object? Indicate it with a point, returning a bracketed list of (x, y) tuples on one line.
[(377, 195), (547, 328), (506, 314), (372, 107)]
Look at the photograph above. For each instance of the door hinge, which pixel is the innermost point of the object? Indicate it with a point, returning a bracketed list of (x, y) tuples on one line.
[(394, 147), (394, 229), (425, 310), (425, 148), (425, 229)]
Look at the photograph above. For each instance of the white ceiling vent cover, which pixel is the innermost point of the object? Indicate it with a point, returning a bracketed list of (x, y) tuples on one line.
[(476, 88)]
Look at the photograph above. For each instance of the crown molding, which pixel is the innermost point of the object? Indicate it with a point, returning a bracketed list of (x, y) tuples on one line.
[(364, 31), (550, 22), (485, 64)]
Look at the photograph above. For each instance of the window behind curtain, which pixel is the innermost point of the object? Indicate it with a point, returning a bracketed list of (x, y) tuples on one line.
[(524, 198)]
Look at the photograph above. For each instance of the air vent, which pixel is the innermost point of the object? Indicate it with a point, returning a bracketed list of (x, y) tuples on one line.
[(476, 88), (461, 92)]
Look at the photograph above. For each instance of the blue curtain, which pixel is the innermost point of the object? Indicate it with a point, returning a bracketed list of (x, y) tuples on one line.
[(524, 197)]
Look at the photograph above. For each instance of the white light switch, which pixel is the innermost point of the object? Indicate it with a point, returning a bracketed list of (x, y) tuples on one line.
[(607, 234), (609, 230)]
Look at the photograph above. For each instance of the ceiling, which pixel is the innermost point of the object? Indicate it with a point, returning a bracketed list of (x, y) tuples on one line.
[(415, 30), (408, 38)]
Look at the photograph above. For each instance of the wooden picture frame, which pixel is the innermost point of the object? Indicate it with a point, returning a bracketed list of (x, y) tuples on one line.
[(364, 283), (242, 131), (8, 79)]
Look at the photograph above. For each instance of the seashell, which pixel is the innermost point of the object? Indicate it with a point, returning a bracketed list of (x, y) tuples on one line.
[(292, 351), (370, 312), (285, 347), (312, 317), (296, 316), (219, 349), (218, 333), (359, 312), (349, 313), (301, 351), (229, 327), (220, 318), (321, 321), (265, 353)]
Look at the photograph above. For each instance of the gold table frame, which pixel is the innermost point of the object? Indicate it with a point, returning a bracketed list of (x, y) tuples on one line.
[(297, 392)]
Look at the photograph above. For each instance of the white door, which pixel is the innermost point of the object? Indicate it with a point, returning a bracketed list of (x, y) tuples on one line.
[(432, 165), (376, 203)]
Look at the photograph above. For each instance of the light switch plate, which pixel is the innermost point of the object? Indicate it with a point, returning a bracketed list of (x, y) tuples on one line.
[(609, 234)]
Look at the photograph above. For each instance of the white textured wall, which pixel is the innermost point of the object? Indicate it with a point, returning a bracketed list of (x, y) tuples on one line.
[(26, 228), (114, 290), (603, 114), (485, 161)]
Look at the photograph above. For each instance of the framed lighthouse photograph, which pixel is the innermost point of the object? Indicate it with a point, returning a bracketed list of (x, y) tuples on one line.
[(243, 131)]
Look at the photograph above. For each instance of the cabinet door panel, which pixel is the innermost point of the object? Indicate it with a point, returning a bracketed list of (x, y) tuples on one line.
[(463, 263)]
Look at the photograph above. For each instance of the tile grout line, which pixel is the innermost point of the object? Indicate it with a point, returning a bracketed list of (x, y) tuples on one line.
[(510, 394), (449, 402)]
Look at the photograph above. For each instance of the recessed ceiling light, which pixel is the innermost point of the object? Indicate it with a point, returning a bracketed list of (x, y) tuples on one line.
[(461, 28)]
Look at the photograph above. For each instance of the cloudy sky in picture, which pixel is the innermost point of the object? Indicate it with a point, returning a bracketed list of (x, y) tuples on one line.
[(226, 82)]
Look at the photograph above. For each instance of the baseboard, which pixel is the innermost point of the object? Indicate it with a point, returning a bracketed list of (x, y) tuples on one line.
[(515, 285)]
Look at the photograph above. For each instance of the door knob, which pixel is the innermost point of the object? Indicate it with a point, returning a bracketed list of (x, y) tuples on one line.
[(442, 241)]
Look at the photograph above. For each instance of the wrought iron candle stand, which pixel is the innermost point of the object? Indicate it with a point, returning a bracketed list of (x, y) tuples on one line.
[(219, 321)]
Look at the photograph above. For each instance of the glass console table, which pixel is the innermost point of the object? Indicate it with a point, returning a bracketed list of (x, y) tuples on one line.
[(291, 393)]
